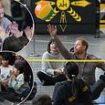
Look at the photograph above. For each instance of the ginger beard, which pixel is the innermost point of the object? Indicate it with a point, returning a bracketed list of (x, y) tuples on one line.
[(79, 48)]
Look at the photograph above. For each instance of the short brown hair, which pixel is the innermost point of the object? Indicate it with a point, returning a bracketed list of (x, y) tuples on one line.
[(84, 42)]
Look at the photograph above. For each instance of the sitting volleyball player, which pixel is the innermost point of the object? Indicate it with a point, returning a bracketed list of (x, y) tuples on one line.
[(79, 52), (74, 91), (52, 72)]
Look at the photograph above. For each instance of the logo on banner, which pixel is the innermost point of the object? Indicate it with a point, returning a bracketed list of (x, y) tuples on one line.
[(47, 10)]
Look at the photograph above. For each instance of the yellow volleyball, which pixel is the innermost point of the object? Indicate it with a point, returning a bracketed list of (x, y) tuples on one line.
[(43, 10)]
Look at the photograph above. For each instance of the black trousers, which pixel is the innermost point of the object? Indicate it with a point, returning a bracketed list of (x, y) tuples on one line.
[(97, 88), (50, 80)]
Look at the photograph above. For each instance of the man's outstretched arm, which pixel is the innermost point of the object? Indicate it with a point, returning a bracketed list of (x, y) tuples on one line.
[(53, 33)]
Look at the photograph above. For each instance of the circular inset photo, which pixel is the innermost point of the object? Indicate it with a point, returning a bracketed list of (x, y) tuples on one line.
[(16, 25), (16, 79)]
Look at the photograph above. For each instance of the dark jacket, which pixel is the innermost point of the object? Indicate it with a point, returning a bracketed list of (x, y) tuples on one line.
[(15, 44), (63, 94)]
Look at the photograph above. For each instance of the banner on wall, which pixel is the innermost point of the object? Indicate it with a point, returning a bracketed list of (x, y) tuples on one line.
[(70, 16)]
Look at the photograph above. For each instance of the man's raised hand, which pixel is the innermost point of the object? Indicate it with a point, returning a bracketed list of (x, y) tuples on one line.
[(52, 30)]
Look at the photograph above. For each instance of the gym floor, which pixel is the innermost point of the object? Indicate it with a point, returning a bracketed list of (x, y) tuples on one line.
[(38, 46)]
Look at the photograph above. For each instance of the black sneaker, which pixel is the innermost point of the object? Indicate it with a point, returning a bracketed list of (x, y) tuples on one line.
[(102, 77)]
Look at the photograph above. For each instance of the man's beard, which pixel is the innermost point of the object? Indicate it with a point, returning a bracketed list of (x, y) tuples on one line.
[(78, 52)]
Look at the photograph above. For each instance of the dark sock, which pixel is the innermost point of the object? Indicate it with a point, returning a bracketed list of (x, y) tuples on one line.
[(1, 99)]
